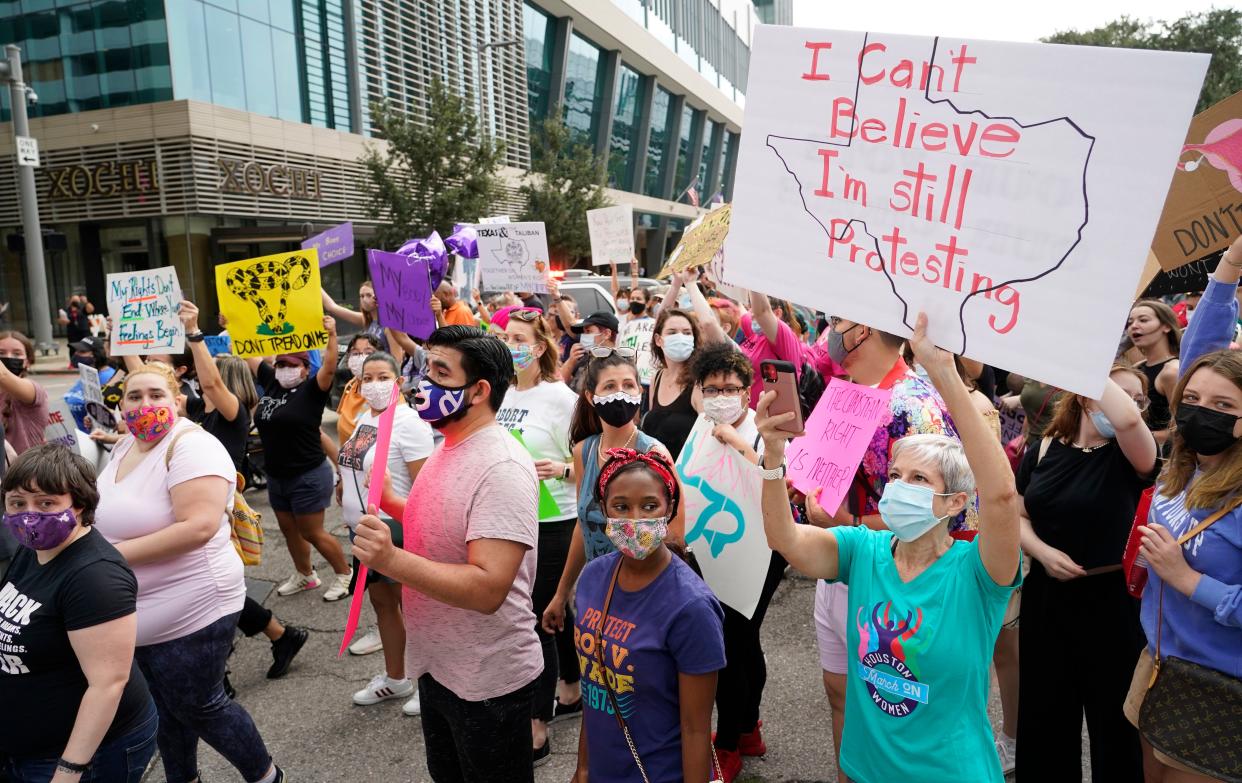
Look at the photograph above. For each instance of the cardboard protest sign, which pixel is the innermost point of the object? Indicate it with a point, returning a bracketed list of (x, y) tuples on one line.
[(513, 257), (1008, 190), (837, 433), (143, 309), (60, 425), (722, 495), (403, 290), (638, 335), (218, 344), (1203, 211), (612, 234), (701, 241), (273, 303), (335, 244)]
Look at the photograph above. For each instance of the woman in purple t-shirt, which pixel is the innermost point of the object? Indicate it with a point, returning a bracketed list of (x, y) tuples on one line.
[(650, 637)]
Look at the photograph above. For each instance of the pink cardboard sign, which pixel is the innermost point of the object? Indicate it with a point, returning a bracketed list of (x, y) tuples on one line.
[(375, 491), (837, 434)]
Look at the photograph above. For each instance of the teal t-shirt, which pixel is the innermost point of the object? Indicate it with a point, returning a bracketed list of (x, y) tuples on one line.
[(919, 652)]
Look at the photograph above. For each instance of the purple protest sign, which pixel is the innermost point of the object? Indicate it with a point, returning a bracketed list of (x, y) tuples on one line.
[(335, 244), (403, 292)]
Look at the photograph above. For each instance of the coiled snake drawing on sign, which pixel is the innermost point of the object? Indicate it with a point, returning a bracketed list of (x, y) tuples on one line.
[(249, 284)]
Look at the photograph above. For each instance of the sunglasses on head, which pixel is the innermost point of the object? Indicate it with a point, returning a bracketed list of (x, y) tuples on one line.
[(527, 315), (603, 352)]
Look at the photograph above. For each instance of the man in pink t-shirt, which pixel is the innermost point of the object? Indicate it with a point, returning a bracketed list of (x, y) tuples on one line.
[(471, 526)]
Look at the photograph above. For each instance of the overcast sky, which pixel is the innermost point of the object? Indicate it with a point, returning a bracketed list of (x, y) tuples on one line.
[(988, 19)]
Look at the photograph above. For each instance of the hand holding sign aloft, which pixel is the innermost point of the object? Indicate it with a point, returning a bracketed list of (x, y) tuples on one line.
[(373, 544), (188, 313)]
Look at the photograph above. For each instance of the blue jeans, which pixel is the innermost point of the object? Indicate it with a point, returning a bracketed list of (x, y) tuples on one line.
[(123, 760), (186, 678)]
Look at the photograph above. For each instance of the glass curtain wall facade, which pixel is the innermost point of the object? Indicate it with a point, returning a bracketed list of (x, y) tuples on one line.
[(583, 87), (537, 31), (689, 127), (624, 128), (658, 143)]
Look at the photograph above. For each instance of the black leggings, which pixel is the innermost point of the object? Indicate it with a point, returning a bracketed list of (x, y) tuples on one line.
[(559, 656), (254, 617), (1075, 644), (740, 687)]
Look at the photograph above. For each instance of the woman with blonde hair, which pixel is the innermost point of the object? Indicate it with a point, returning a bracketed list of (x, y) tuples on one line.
[(1192, 544), (164, 504)]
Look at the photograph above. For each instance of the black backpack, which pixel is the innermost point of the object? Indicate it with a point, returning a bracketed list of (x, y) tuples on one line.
[(811, 387)]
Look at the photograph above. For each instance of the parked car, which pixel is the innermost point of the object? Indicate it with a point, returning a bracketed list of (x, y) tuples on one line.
[(593, 292)]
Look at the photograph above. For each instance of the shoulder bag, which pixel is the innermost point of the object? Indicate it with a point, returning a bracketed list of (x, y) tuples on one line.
[(718, 776), (1193, 713)]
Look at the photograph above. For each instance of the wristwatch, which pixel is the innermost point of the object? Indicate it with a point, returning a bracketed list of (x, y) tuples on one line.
[(194, 337), (565, 474), (772, 474)]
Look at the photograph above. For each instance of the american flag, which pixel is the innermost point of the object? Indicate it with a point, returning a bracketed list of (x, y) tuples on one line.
[(692, 190)]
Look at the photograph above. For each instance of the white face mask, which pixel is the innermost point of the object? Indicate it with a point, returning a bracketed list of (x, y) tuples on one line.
[(722, 409), (355, 364), (623, 305), (587, 341), (288, 377), (377, 394)]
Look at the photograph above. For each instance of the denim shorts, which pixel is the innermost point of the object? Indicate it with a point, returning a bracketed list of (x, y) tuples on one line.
[(307, 493)]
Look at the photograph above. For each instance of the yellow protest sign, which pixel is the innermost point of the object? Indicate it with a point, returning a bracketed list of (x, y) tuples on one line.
[(272, 303), (702, 240)]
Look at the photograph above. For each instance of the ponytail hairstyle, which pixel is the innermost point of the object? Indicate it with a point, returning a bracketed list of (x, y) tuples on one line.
[(585, 422)]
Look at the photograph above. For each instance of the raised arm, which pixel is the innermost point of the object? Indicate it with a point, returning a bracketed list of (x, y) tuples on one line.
[(209, 378), (669, 302), (351, 317), (1133, 436), (709, 324), (1216, 317), (18, 388), (331, 354), (761, 314), (999, 531), (811, 550)]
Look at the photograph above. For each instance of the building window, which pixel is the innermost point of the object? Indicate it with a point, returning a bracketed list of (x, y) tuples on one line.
[(658, 143), (690, 120), (582, 89), (537, 30), (707, 178), (728, 164), (621, 155)]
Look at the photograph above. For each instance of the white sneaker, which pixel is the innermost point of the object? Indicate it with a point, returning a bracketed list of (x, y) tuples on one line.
[(368, 643), (339, 588), (299, 583), (1007, 750), (413, 707), (380, 688)]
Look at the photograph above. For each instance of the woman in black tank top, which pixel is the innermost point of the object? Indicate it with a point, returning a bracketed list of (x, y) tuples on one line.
[(671, 412), (1154, 330)]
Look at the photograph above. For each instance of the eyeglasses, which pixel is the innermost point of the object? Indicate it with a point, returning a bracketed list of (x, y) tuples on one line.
[(1142, 402), (526, 315), (603, 352), (713, 391)]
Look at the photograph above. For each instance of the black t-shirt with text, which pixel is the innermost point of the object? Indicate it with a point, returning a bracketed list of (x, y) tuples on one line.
[(232, 434), (1081, 502), (41, 680), (288, 422)]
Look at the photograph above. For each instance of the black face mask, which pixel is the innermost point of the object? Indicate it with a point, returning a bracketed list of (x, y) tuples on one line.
[(75, 361), (1206, 432), (617, 409), (636, 308), (15, 364)]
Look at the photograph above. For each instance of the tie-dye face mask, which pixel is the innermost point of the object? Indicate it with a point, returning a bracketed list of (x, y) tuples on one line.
[(150, 422), (637, 538)]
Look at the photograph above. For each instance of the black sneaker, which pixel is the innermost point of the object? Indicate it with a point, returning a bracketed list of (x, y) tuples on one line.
[(284, 649), (280, 773), (543, 754), (565, 711)]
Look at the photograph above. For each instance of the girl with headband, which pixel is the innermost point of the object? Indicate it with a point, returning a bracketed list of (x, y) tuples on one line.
[(649, 635)]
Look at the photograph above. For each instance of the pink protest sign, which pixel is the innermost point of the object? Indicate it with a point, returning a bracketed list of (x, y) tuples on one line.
[(375, 491), (837, 434)]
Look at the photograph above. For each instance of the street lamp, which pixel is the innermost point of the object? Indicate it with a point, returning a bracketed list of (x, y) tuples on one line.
[(36, 273), (478, 85)]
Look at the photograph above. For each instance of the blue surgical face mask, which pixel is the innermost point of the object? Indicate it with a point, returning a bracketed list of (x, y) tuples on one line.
[(907, 509), (1102, 424), (678, 347)]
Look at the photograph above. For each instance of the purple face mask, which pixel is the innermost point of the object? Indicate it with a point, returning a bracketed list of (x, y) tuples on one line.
[(41, 529)]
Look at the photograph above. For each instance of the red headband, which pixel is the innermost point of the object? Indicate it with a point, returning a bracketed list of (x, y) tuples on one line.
[(621, 458)]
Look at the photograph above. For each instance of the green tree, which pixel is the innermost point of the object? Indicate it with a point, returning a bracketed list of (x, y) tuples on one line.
[(432, 173), (567, 178), (1217, 32)]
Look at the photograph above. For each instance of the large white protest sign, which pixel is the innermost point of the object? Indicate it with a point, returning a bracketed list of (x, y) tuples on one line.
[(612, 234), (143, 309), (1008, 190), (513, 257), (722, 495), (60, 426)]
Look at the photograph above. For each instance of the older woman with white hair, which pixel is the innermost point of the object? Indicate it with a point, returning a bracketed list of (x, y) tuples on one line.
[(925, 608)]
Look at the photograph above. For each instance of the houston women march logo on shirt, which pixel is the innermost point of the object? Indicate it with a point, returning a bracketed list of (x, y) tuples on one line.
[(887, 658)]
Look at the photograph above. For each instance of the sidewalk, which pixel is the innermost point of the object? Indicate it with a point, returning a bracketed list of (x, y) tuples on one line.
[(54, 363)]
